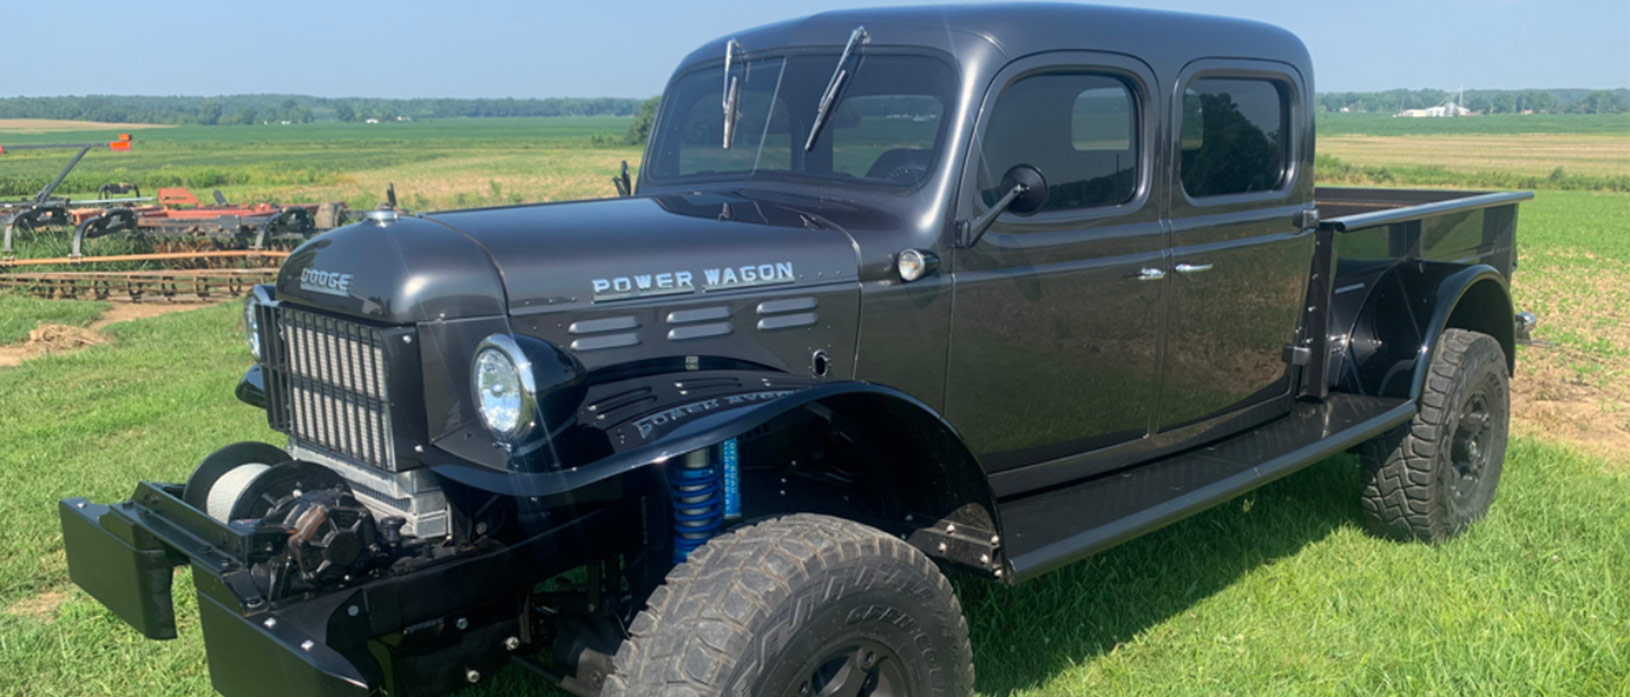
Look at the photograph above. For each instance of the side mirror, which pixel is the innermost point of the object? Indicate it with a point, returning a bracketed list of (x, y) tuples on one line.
[(1026, 194), (1034, 194)]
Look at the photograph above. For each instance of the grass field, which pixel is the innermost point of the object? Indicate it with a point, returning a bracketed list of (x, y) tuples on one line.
[(1278, 592), (445, 162), (1571, 152), (1497, 124)]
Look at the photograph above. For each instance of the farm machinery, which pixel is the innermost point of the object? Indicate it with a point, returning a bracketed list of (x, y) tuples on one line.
[(187, 247)]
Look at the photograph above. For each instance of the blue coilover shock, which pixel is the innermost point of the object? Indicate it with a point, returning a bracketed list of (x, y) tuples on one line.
[(705, 493), (698, 492)]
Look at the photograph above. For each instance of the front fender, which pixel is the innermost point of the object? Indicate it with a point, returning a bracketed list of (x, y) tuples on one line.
[(693, 432)]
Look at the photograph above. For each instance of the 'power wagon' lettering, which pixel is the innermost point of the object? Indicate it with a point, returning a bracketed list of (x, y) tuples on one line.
[(674, 282)]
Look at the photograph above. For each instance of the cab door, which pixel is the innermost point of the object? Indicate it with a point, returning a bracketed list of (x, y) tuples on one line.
[(1241, 178), (1057, 315)]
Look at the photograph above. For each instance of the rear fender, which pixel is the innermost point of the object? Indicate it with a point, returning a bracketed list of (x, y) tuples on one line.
[(1390, 344)]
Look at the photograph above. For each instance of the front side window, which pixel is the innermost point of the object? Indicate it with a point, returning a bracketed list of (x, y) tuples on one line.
[(1079, 129), (885, 129), (1235, 136)]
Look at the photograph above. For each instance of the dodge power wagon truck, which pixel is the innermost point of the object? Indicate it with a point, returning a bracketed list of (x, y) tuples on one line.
[(896, 292)]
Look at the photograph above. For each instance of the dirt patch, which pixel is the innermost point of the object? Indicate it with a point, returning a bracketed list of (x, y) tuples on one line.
[(1551, 402), (40, 608), (54, 125), (58, 338), (49, 339), (124, 312), (1577, 390)]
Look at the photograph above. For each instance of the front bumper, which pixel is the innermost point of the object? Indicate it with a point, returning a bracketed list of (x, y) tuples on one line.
[(328, 645)]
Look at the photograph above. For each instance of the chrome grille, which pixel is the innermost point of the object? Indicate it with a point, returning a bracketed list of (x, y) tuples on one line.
[(328, 387)]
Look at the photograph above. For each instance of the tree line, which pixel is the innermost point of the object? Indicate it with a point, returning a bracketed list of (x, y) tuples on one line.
[(275, 108), (1554, 101)]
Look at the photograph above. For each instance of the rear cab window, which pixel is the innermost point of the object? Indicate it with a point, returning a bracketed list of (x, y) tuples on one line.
[(1234, 136)]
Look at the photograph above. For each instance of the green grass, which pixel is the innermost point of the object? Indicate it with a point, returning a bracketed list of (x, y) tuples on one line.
[(277, 162), (1328, 124), (1330, 170), (20, 315)]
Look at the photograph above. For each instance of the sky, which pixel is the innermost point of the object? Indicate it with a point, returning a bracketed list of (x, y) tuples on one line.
[(628, 48)]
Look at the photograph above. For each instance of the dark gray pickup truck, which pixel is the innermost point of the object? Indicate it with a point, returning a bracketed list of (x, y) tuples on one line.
[(896, 291)]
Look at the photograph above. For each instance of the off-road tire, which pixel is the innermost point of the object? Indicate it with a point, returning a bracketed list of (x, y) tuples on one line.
[(753, 613), (1422, 481)]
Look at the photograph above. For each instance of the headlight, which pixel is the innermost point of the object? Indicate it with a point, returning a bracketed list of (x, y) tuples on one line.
[(505, 394), (251, 323)]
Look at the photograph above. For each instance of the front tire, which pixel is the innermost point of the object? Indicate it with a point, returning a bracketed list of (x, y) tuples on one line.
[(1430, 480), (799, 606)]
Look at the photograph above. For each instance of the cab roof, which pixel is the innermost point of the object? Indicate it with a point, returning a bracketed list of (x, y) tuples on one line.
[(1166, 41)]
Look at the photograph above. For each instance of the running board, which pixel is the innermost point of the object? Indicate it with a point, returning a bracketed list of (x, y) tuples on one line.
[(1045, 531)]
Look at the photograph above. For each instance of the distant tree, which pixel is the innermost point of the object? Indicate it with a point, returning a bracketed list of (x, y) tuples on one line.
[(1503, 103), (640, 130), (1478, 103), (1542, 100), (242, 116), (345, 112), (209, 112)]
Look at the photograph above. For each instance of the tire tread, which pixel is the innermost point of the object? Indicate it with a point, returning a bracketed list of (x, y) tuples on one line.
[(700, 622)]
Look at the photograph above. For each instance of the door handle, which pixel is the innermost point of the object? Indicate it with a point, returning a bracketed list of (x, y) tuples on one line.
[(1192, 268), (1149, 274)]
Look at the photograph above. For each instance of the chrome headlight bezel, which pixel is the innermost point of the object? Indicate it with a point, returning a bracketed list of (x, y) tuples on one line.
[(251, 324), (504, 348)]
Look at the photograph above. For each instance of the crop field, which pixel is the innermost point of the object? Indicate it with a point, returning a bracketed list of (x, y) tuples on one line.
[(1277, 592), (434, 164)]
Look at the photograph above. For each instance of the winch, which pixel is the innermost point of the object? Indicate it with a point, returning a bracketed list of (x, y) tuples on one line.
[(314, 531)]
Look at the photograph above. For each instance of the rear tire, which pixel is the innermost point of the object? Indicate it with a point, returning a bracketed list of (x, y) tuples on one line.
[(1432, 478), (801, 605)]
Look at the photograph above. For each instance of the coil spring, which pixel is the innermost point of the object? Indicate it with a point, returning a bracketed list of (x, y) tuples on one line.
[(698, 499)]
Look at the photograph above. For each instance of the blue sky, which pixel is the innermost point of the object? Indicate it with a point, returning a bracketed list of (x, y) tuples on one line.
[(627, 48)]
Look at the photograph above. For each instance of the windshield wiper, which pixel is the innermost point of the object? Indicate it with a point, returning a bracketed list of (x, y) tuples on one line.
[(858, 36), (732, 94)]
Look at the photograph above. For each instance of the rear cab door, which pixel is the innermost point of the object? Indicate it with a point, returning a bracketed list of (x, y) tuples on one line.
[(1240, 185)]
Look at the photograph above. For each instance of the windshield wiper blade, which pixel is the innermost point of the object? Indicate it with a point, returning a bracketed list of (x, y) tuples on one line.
[(858, 36), (732, 94)]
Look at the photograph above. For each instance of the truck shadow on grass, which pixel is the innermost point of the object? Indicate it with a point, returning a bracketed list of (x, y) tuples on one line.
[(1025, 636)]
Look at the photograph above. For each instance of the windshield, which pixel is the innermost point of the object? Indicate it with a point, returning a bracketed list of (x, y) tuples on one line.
[(886, 128)]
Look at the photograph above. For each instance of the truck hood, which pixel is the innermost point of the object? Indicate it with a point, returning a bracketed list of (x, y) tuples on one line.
[(556, 257)]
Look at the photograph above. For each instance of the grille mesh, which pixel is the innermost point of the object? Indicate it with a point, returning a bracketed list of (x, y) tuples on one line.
[(329, 386)]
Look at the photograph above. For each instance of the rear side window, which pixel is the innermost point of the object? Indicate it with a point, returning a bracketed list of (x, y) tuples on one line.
[(1078, 129), (1235, 136)]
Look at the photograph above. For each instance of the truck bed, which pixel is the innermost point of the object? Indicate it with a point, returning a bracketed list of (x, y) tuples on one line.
[(1460, 227), (1347, 209)]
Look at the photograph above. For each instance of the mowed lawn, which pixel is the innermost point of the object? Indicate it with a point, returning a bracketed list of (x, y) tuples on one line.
[(1278, 592)]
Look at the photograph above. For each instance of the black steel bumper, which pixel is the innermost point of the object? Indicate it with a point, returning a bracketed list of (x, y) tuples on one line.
[(124, 555)]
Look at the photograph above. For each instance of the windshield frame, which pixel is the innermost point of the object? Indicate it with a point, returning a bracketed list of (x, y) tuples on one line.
[(950, 101)]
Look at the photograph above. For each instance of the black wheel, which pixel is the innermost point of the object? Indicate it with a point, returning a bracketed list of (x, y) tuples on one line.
[(1432, 478), (800, 606)]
